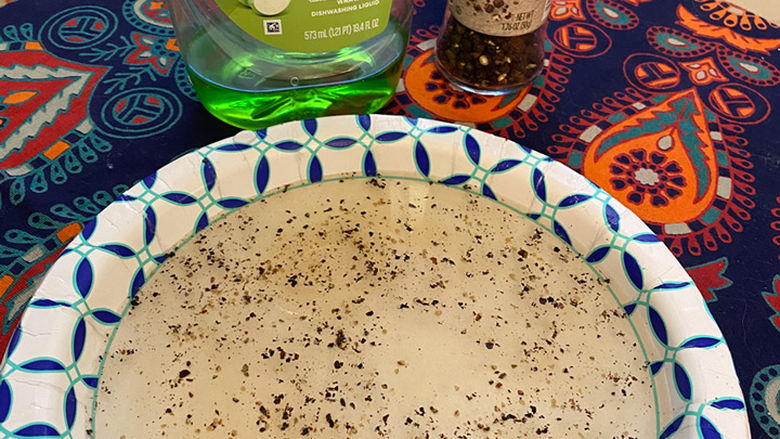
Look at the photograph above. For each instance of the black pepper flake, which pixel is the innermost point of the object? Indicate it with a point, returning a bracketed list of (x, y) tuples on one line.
[(341, 339), (523, 253), (184, 373)]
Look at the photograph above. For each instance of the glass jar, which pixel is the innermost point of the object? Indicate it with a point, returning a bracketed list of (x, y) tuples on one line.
[(255, 63), (492, 47)]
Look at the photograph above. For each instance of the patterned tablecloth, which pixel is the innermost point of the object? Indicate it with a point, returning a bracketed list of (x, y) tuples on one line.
[(666, 104)]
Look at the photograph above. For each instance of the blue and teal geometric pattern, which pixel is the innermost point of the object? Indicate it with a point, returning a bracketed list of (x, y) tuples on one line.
[(51, 372)]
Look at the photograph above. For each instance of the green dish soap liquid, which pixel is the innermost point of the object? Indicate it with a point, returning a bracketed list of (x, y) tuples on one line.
[(256, 63)]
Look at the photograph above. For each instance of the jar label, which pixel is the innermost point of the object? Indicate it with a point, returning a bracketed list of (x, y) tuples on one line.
[(309, 25), (501, 18)]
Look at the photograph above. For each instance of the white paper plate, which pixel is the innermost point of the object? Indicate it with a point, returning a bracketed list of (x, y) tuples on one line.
[(51, 369)]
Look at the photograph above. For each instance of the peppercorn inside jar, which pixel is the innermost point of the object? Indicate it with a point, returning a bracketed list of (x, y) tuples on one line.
[(492, 47)]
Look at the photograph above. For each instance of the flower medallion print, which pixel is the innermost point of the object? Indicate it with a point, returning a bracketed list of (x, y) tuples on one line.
[(648, 175), (92, 284)]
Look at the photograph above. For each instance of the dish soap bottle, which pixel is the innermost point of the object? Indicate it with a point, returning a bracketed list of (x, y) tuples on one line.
[(492, 47), (256, 63)]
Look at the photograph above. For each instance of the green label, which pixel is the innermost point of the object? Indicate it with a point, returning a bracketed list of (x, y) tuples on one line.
[(309, 25)]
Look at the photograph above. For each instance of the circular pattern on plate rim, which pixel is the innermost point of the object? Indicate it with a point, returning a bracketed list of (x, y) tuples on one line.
[(92, 284)]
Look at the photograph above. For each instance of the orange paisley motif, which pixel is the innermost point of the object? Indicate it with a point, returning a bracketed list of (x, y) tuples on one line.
[(660, 162), (701, 28), (732, 15)]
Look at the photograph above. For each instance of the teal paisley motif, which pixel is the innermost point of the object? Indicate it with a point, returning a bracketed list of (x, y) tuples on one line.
[(676, 43), (612, 14)]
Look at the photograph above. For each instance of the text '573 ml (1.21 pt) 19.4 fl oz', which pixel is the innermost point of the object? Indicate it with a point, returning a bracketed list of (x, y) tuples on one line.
[(492, 46), (256, 63)]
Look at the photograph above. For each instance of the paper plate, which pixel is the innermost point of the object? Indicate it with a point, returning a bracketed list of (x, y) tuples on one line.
[(51, 371)]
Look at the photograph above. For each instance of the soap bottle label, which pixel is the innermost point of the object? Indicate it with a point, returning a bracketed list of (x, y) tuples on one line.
[(309, 25), (501, 18)]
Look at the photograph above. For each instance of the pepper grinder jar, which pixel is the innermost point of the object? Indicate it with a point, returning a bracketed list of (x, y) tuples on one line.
[(492, 47)]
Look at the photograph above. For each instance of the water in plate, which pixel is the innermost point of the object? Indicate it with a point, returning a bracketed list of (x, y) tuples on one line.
[(375, 308)]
